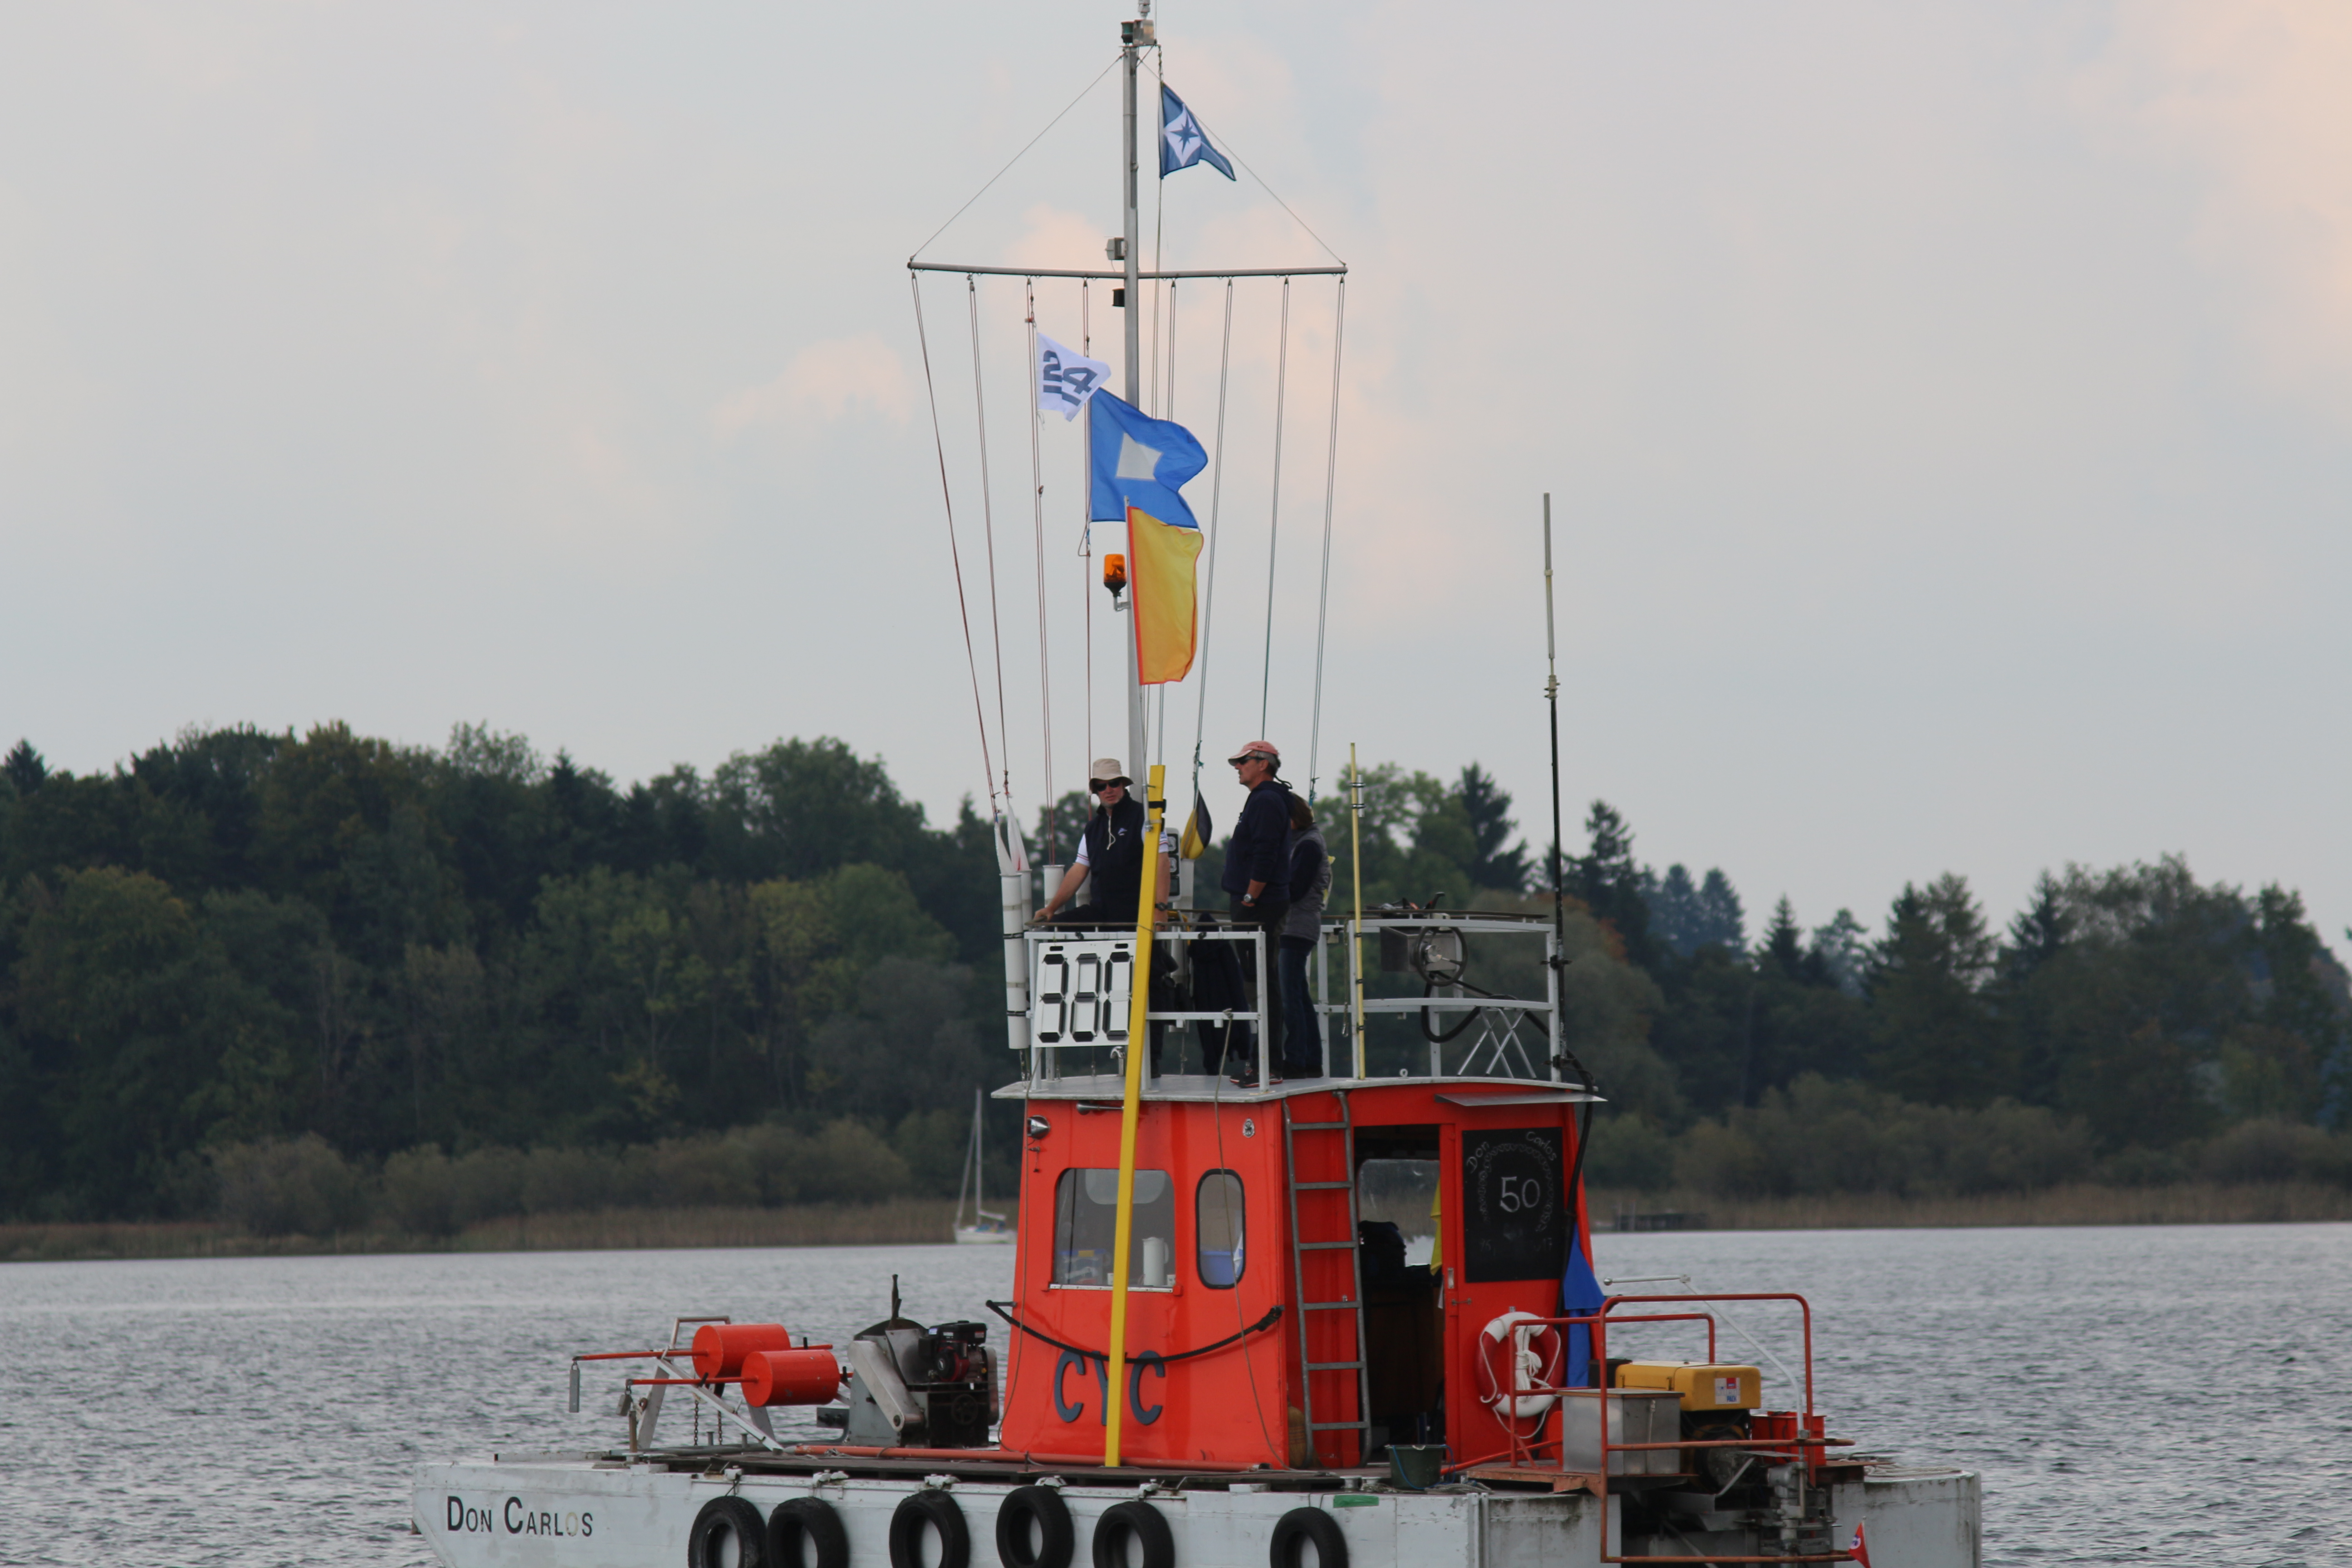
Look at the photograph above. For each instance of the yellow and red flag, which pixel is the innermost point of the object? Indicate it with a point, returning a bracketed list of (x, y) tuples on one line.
[(1160, 557)]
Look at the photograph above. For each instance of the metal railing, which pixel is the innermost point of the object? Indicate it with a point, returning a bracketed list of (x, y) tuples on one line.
[(1803, 1447), (1081, 979)]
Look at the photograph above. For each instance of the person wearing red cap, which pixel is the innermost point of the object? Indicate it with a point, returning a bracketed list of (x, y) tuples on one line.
[(1257, 874)]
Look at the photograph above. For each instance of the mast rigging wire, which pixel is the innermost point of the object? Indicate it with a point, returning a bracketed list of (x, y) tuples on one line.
[(955, 557), (1037, 508), (1330, 479), (1216, 496), (988, 529), (1040, 137), (1086, 513), (1274, 511)]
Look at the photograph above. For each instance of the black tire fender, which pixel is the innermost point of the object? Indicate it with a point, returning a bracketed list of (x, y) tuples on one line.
[(937, 1510), (812, 1520), (1057, 1539), (1293, 1530), (722, 1516), (1143, 1522)]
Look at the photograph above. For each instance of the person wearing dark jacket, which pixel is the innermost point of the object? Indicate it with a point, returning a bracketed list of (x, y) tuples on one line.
[(1310, 880), (1110, 855), (1257, 874)]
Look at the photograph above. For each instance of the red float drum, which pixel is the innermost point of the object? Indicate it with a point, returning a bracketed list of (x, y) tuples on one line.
[(791, 1377)]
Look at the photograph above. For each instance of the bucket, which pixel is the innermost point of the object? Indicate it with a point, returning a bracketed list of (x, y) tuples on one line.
[(1418, 1466)]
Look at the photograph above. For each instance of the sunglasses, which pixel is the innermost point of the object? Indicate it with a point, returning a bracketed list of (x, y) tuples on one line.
[(1245, 757)]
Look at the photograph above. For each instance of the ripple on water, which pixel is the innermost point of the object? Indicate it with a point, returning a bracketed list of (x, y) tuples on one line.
[(2129, 1395)]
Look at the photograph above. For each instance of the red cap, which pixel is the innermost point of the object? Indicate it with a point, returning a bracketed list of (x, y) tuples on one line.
[(1265, 749)]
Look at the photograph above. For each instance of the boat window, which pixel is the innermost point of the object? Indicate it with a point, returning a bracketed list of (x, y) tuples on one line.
[(1401, 1193), (1217, 1229), (1086, 1222)]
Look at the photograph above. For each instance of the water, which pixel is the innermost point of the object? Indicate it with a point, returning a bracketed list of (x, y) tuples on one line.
[(2129, 1395)]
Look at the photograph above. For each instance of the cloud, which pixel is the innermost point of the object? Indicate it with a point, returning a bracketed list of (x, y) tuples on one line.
[(824, 381), (2252, 97)]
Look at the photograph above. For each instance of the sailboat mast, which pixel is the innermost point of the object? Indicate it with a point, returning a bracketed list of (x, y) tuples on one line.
[(1134, 38)]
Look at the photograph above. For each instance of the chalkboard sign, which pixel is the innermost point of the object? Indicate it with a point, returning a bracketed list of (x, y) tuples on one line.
[(1515, 1219)]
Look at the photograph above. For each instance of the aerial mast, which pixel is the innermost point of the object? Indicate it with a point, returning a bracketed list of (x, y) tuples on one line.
[(1134, 38)]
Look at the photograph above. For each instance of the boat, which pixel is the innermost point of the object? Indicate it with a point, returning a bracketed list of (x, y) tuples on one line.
[(1345, 1319), (987, 1227)]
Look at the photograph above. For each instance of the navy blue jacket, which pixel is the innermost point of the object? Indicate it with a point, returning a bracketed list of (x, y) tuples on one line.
[(1255, 853)]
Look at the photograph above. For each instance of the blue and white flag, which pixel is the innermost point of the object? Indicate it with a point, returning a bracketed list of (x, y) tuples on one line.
[(1139, 461), (1066, 378), (1182, 142)]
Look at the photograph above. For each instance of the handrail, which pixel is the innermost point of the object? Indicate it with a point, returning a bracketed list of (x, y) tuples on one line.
[(1524, 1450)]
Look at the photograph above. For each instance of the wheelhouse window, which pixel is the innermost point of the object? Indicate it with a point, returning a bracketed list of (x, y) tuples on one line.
[(1217, 1226), (1085, 1230)]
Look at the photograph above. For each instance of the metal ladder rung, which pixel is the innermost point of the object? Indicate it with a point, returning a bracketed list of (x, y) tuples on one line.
[(1361, 1364)]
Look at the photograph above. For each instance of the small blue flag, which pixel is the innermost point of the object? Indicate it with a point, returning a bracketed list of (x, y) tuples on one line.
[(1182, 142), (1139, 461), (1580, 1295)]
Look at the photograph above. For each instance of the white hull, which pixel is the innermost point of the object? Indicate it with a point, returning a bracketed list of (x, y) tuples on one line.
[(583, 1513), (972, 1236)]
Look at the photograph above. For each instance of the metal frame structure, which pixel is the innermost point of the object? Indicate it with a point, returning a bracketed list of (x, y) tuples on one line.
[(1509, 1030)]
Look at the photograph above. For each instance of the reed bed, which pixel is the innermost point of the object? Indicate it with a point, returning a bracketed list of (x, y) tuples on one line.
[(898, 1222)]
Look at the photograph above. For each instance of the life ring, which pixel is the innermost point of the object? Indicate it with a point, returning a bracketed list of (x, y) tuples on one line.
[(1046, 1545), (720, 1518), (1141, 1520), (811, 1520), (934, 1510), (1534, 1347)]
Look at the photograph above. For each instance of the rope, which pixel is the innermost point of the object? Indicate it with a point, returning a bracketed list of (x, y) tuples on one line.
[(1085, 514), (1003, 1309), (988, 526), (1040, 137), (1037, 507), (1273, 512), (1216, 494), (947, 500), (1330, 479)]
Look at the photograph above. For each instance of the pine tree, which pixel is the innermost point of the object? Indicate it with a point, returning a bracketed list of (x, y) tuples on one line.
[(1783, 951), (24, 768), (1488, 808), (1721, 920), (1610, 882)]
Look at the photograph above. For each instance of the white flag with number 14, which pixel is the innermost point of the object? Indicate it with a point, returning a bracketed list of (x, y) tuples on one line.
[(1065, 379)]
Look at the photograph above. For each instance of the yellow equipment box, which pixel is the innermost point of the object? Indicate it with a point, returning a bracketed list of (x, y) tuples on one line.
[(1703, 1387)]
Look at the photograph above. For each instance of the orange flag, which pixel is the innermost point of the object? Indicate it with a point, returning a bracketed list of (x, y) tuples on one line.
[(1160, 558)]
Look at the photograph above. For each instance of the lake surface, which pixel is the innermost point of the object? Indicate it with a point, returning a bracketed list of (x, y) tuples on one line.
[(2129, 1395)]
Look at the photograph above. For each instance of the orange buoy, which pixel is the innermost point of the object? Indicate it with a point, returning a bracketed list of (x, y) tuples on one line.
[(720, 1347), (791, 1377)]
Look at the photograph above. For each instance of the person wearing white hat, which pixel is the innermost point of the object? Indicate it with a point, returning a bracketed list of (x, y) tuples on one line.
[(1110, 854)]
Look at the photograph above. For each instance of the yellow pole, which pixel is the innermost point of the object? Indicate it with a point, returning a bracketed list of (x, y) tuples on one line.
[(1356, 933), (1139, 1041)]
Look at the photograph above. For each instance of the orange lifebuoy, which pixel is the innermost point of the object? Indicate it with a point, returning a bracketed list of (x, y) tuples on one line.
[(1533, 1347)]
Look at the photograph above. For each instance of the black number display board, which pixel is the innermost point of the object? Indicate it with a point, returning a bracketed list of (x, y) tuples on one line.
[(1515, 1218)]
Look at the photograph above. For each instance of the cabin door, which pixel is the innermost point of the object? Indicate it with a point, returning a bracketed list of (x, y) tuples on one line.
[(1505, 1234)]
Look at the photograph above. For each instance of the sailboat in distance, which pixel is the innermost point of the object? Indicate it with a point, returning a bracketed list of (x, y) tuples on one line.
[(987, 1227)]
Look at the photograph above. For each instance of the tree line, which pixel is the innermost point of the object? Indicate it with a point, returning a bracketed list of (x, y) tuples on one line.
[(239, 942)]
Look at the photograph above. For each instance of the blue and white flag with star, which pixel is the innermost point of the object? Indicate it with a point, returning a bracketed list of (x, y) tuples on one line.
[(1066, 378), (1139, 461), (1182, 142)]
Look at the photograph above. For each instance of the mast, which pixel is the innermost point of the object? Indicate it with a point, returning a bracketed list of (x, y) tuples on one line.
[(1559, 885), (1134, 38)]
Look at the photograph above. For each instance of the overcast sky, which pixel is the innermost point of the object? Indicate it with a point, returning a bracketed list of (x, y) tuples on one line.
[(1946, 406)]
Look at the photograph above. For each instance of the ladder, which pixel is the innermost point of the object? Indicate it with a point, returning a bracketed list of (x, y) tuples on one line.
[(1300, 1245)]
